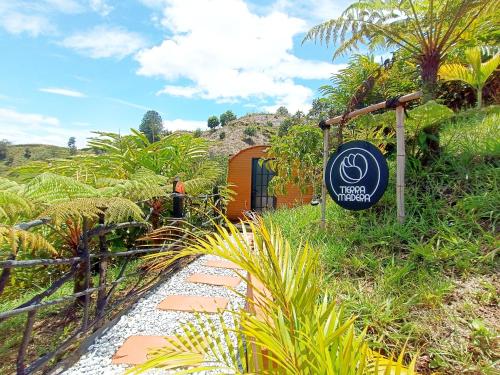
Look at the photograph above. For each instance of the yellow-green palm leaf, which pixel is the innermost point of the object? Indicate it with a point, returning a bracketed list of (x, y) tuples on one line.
[(302, 329)]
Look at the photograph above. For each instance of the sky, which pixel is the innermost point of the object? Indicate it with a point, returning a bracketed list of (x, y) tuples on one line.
[(70, 67)]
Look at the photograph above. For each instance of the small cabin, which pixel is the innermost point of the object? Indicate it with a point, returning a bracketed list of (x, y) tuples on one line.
[(250, 180)]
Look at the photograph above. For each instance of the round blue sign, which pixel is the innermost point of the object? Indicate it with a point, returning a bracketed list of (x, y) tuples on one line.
[(356, 175)]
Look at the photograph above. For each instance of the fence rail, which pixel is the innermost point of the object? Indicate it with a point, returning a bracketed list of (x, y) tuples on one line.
[(93, 314)]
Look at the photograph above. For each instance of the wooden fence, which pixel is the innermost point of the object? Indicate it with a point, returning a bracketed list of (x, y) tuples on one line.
[(106, 306)]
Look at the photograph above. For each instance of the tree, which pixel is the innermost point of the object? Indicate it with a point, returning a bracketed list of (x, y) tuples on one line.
[(213, 122), (282, 111), (475, 74), (227, 117), (72, 145), (296, 157), (321, 109), (4, 144), (427, 29), (152, 126), (27, 153)]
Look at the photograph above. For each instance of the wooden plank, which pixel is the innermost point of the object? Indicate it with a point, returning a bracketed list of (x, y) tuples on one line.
[(401, 161)]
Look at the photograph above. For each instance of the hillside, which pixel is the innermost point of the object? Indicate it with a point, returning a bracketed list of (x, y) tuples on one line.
[(16, 155), (250, 130)]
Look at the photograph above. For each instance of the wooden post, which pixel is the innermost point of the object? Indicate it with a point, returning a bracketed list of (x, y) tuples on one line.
[(103, 267), (326, 147), (88, 275), (400, 165), (28, 330)]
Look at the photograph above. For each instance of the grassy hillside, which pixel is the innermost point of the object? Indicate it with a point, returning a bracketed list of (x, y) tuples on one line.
[(432, 282), (235, 136), (16, 155)]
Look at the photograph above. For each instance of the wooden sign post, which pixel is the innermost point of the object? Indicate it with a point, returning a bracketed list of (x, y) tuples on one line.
[(400, 141)]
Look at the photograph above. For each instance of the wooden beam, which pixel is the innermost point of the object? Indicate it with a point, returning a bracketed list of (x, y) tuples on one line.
[(373, 107)]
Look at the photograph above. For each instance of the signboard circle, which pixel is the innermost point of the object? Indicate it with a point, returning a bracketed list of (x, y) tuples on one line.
[(356, 175)]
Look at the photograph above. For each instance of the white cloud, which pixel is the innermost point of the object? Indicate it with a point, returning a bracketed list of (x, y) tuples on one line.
[(64, 92), (30, 128), (66, 6), (129, 104), (105, 41), (101, 7), (15, 22), (179, 124), (228, 58)]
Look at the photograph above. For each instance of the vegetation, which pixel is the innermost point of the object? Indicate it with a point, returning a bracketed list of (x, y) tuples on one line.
[(152, 126), (426, 29), (282, 111), (72, 146), (475, 75), (227, 117), (299, 150), (250, 131), (300, 328), (430, 283), (15, 155), (213, 122)]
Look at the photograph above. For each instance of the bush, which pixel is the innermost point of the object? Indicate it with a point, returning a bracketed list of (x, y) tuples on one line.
[(227, 117), (250, 131), (282, 111), (284, 126), (222, 135), (213, 122), (197, 133), (269, 123)]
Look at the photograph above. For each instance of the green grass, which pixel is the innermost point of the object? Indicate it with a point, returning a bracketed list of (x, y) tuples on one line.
[(429, 280), (15, 155)]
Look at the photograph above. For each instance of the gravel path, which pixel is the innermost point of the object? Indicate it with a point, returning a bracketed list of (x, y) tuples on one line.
[(145, 319)]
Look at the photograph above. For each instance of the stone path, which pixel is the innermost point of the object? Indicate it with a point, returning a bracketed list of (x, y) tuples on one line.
[(202, 286)]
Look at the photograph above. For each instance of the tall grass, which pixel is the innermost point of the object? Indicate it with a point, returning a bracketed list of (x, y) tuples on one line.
[(396, 278)]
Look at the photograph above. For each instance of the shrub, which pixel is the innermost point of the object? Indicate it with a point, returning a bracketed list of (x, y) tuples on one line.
[(222, 135), (282, 111), (250, 131), (213, 122), (227, 117), (197, 133), (269, 123)]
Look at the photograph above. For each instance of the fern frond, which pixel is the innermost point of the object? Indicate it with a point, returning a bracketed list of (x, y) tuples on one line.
[(17, 239), (114, 209), (52, 188), (13, 204)]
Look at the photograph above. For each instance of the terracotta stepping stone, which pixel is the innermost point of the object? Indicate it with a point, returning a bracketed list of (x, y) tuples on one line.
[(135, 349), (193, 303), (201, 278), (222, 264)]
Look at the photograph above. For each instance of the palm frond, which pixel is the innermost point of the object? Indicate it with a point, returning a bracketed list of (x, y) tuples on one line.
[(302, 329)]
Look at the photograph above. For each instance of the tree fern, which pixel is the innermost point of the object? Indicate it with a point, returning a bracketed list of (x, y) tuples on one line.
[(427, 29)]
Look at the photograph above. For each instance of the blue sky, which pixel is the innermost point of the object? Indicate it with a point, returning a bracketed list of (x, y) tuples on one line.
[(73, 66)]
